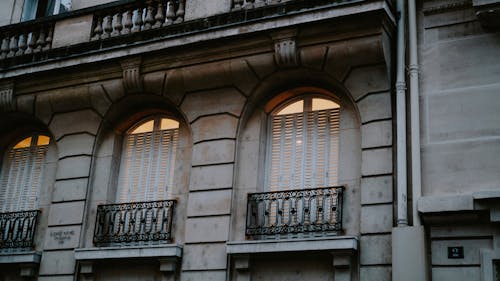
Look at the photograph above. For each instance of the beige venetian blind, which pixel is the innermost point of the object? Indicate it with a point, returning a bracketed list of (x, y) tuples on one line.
[(148, 160), (21, 175), (304, 145)]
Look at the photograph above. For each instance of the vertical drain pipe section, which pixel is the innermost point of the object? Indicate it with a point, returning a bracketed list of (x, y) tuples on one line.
[(409, 259), (401, 184)]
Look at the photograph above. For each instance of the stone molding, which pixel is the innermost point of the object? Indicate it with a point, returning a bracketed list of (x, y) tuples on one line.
[(441, 6), (132, 78), (488, 13), (285, 48), (7, 99)]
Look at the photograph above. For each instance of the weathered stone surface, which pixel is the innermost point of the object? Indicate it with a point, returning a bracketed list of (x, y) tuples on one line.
[(73, 167), (79, 144), (204, 256), (376, 219), (376, 134), (99, 100), (224, 100), (63, 237), (57, 278), (213, 152), (205, 203), (214, 127), (262, 64), (57, 262), (242, 77), (43, 109), (456, 273), (212, 275), (210, 177), (368, 79), (375, 273), (26, 103), (69, 98), (66, 213), (313, 56), (208, 229), (196, 9), (69, 190), (375, 107), (472, 247), (64, 123), (154, 83), (206, 76), (376, 190), (72, 31), (450, 119), (376, 161), (375, 249)]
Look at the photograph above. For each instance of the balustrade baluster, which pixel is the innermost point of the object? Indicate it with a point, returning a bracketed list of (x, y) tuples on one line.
[(170, 12), (248, 4), (107, 24), (181, 11), (138, 20), (41, 40), (160, 15), (5, 46), (23, 43), (149, 19), (97, 33), (48, 40), (13, 46), (259, 3), (127, 23), (31, 42), (237, 4), (117, 26)]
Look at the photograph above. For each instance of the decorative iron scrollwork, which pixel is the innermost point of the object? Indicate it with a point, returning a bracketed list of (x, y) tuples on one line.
[(134, 222), (17, 229), (295, 211)]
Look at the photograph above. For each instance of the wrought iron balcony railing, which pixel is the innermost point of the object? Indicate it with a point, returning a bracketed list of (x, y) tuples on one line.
[(17, 229), (134, 222), (304, 211)]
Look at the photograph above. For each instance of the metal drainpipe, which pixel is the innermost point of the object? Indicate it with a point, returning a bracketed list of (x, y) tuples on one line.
[(402, 209), (415, 111)]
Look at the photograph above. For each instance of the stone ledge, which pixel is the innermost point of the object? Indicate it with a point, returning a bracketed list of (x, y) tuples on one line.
[(331, 244), (455, 203), (143, 252), (20, 257)]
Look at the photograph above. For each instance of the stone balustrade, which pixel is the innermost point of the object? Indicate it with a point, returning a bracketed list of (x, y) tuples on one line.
[(24, 39), (249, 4), (135, 17)]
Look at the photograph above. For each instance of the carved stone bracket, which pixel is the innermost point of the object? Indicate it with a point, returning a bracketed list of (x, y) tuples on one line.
[(242, 267), (7, 99), (285, 48), (132, 78)]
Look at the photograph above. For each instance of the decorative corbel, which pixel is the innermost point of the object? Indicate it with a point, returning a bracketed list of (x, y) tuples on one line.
[(132, 78), (86, 271), (168, 266), (285, 48), (342, 265), (7, 99), (242, 267)]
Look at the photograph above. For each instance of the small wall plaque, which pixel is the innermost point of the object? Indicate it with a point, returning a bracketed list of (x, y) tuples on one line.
[(456, 252)]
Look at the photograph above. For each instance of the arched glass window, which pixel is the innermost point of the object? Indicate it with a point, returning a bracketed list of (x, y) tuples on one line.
[(21, 175), (303, 145), (148, 160)]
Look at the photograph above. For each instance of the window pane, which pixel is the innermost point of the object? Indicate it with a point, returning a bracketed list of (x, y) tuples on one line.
[(295, 107), (322, 104), (24, 143), (167, 124), (146, 127), (29, 10), (43, 140)]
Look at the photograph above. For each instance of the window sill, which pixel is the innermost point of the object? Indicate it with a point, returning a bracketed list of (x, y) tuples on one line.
[(20, 257), (133, 252), (331, 244)]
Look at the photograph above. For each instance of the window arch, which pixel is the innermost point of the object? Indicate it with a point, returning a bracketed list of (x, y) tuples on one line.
[(303, 144), (21, 175), (148, 160)]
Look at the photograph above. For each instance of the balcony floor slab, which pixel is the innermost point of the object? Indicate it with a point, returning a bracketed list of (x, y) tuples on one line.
[(107, 253)]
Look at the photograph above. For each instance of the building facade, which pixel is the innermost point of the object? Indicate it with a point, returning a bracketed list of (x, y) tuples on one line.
[(249, 140)]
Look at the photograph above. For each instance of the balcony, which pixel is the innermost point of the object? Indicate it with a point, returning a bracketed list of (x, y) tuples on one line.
[(303, 212), (134, 223), (17, 230)]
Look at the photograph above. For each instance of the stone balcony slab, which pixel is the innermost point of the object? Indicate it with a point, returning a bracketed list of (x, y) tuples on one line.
[(330, 244), (142, 252), (20, 257)]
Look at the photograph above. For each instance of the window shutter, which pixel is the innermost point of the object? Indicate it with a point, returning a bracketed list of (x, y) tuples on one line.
[(21, 178), (304, 150), (147, 166)]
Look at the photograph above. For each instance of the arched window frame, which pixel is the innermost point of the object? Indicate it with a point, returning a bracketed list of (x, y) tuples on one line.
[(124, 195), (13, 197), (307, 97)]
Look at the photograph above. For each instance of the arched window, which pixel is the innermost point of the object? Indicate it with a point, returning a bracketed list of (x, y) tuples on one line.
[(21, 175), (148, 160), (303, 148)]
